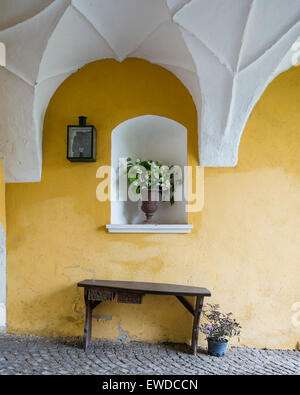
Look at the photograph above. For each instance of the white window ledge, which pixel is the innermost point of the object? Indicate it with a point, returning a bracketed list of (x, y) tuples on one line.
[(152, 228)]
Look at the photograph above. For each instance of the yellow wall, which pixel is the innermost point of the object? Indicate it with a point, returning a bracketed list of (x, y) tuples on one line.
[(244, 248)]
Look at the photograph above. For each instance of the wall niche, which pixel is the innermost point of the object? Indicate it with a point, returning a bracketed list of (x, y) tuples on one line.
[(149, 137)]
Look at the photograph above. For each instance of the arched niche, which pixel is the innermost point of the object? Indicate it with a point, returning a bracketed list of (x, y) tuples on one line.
[(110, 93), (149, 137)]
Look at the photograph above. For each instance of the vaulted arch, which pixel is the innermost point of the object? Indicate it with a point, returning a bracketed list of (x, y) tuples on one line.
[(230, 49)]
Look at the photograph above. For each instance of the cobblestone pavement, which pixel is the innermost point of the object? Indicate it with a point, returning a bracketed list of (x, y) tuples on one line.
[(34, 355)]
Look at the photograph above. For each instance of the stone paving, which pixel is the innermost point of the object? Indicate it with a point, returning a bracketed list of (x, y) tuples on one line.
[(22, 355)]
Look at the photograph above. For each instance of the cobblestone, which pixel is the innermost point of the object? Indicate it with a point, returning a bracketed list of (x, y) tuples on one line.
[(40, 356)]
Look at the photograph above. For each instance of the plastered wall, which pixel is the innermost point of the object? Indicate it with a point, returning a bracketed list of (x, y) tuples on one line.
[(244, 246)]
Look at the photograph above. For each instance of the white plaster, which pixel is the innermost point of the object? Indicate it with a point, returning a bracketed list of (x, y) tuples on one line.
[(261, 33), (228, 97), (124, 24), (216, 89), (172, 228), (230, 49), (218, 24), (176, 5), (250, 85), (191, 81), (2, 277), (18, 138), (2, 316), (27, 41), (73, 44), (166, 46), (149, 137), (292, 58), (42, 95), (16, 11)]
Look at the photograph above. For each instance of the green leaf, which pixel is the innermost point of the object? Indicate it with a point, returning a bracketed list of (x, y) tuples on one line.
[(146, 165)]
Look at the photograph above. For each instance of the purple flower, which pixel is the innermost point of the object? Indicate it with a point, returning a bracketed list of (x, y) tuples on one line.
[(220, 325)]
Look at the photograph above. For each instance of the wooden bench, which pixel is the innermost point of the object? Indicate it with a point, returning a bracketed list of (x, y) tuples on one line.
[(97, 291)]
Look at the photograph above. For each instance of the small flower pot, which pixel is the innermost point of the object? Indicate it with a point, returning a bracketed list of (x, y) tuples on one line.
[(216, 349), (150, 198)]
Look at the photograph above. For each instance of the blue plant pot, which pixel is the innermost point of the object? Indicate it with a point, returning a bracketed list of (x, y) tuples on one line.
[(216, 349)]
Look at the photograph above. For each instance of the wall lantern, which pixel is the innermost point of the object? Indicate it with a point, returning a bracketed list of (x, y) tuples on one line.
[(82, 142)]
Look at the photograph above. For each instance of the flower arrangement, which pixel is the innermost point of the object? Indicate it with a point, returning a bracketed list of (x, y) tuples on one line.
[(220, 326), (151, 174)]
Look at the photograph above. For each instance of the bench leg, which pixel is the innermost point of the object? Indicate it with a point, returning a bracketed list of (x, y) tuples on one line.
[(88, 321), (89, 307), (198, 311)]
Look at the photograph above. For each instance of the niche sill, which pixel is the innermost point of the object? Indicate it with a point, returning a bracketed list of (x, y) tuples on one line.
[(152, 228)]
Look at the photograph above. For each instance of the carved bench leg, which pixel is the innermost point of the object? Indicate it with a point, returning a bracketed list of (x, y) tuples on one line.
[(89, 306), (198, 311), (88, 321)]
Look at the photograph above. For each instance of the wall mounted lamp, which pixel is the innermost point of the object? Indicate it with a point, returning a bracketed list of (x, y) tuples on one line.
[(81, 145)]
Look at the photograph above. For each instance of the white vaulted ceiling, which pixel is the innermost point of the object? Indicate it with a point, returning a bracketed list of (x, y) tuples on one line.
[(225, 52)]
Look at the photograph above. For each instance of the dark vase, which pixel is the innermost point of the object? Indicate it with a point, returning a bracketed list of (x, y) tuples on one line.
[(216, 349), (150, 198)]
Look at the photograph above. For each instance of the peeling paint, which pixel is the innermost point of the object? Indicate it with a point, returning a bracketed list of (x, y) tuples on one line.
[(124, 335), (71, 319), (103, 317)]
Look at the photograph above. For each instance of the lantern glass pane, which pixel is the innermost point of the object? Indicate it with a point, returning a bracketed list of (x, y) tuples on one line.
[(80, 142)]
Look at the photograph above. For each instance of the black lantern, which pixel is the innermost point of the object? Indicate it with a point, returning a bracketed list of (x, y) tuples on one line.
[(82, 142)]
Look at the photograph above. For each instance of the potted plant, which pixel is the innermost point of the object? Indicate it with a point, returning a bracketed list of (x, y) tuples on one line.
[(151, 179), (218, 330)]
